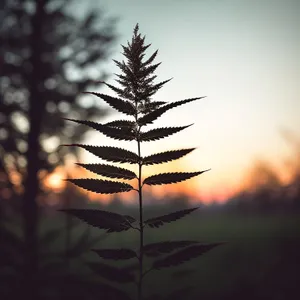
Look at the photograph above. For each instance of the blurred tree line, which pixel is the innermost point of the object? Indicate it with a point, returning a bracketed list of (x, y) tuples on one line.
[(265, 192), (48, 55)]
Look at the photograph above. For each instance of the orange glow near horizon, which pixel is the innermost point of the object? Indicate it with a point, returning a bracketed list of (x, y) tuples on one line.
[(196, 189), (202, 188)]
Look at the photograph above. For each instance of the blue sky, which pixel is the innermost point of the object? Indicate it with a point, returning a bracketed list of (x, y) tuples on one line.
[(243, 55)]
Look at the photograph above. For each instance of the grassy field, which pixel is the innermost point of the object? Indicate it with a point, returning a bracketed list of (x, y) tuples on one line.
[(260, 259)]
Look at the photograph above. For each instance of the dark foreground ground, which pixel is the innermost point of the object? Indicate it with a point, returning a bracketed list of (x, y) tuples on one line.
[(260, 260)]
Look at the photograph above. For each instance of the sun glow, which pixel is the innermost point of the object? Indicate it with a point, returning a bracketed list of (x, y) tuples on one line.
[(55, 181)]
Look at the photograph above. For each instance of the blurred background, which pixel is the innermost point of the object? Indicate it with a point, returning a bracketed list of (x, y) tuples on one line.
[(242, 55)]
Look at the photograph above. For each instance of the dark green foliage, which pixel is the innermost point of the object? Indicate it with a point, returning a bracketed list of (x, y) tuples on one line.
[(183, 255), (102, 219), (157, 249), (159, 221), (115, 254), (54, 279), (135, 91)]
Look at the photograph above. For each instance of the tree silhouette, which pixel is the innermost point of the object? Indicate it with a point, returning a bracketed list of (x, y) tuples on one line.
[(42, 45)]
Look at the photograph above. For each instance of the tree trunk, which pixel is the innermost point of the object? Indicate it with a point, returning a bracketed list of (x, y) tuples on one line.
[(31, 186)]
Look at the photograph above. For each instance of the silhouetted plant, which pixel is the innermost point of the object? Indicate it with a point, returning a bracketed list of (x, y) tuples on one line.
[(135, 92)]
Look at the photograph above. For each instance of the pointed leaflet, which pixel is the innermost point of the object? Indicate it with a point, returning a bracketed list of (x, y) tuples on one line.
[(111, 153), (183, 255), (125, 134), (113, 222), (156, 249), (165, 156), (121, 124), (150, 117), (159, 221), (111, 273), (119, 91), (146, 71), (118, 104), (115, 254), (148, 81), (150, 59), (102, 186), (109, 171), (149, 106), (159, 133), (166, 178), (151, 90)]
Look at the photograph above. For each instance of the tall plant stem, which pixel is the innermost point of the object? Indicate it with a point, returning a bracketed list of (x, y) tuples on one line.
[(140, 281)]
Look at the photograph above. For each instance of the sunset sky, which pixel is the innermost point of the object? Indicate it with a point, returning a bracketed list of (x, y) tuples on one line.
[(243, 55)]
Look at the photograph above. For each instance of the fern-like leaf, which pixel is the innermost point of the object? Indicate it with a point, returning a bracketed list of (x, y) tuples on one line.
[(119, 91), (183, 255), (102, 186), (120, 105), (150, 106), (121, 124), (159, 221), (125, 134), (111, 153), (157, 249), (153, 115), (165, 156), (167, 178), (115, 254), (111, 273), (150, 59), (112, 222), (159, 133), (109, 171)]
